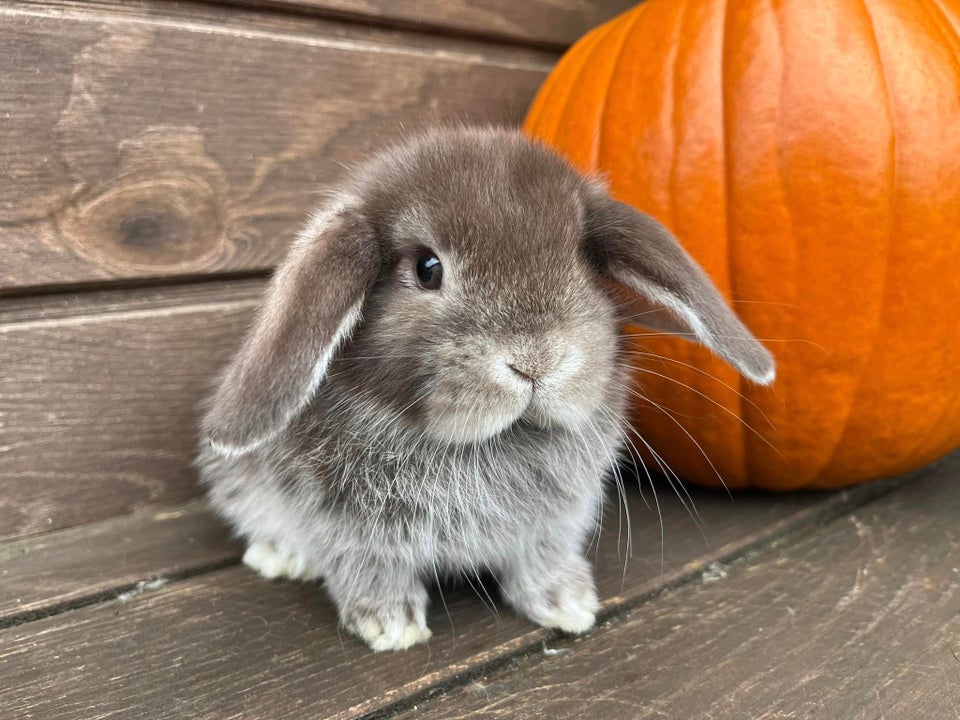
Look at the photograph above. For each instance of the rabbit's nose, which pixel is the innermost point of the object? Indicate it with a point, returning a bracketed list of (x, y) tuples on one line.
[(523, 372), (543, 364)]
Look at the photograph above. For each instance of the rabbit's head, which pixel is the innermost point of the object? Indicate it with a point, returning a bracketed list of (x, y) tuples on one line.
[(465, 282)]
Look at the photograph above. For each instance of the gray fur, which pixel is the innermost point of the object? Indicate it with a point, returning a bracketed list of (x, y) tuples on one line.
[(373, 433)]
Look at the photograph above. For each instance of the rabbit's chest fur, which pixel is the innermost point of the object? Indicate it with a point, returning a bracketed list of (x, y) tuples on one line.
[(335, 495)]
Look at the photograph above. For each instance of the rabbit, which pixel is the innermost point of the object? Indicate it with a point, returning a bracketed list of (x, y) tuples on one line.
[(435, 382)]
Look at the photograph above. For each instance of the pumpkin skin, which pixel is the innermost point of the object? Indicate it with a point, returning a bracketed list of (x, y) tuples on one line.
[(807, 154)]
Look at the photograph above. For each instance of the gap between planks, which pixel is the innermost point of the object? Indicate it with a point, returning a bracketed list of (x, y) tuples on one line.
[(44, 575)]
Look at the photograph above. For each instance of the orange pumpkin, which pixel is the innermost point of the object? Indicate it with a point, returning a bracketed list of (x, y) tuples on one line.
[(808, 155)]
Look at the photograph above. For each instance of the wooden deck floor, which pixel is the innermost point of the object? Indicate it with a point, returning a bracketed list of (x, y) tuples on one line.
[(843, 605)]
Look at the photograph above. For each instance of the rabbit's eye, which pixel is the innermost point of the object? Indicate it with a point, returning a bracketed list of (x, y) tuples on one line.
[(429, 270)]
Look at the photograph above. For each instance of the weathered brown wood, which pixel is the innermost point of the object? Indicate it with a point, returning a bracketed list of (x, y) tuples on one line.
[(98, 399), (548, 24), (553, 22), (281, 20), (227, 644), (68, 566), (136, 146), (858, 620)]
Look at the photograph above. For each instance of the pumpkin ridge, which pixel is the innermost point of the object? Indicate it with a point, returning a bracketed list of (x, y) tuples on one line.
[(935, 8), (852, 406), (728, 195), (921, 448), (785, 196), (672, 64), (562, 93), (685, 65), (605, 115), (597, 121), (587, 59)]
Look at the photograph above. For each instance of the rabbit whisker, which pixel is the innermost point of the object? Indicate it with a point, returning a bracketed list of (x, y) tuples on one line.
[(694, 368), (688, 434), (714, 402)]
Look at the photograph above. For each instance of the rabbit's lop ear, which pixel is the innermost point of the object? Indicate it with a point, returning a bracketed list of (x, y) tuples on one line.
[(313, 304), (674, 293)]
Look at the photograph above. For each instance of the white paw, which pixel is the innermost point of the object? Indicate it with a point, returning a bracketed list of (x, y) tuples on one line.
[(572, 613), (271, 563), (382, 636)]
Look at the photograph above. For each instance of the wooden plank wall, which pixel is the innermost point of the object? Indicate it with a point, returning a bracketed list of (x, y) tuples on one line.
[(155, 160)]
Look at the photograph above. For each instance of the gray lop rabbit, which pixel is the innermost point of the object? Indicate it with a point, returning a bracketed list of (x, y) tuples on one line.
[(435, 382)]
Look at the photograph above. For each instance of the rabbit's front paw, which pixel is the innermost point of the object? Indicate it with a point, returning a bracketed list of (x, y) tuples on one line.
[(559, 595), (388, 628), (270, 562), (573, 612)]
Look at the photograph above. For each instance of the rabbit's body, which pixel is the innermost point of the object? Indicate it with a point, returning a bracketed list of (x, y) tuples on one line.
[(329, 499), (430, 506), (435, 383)]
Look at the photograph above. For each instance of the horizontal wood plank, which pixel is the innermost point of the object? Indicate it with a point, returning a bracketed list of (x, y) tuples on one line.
[(98, 399), (227, 644), (858, 620), (38, 574), (139, 146), (550, 22), (283, 19)]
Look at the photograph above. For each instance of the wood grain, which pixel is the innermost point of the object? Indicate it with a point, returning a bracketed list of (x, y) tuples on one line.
[(282, 19), (550, 22), (98, 399), (60, 568), (858, 620), (227, 644), (138, 146)]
